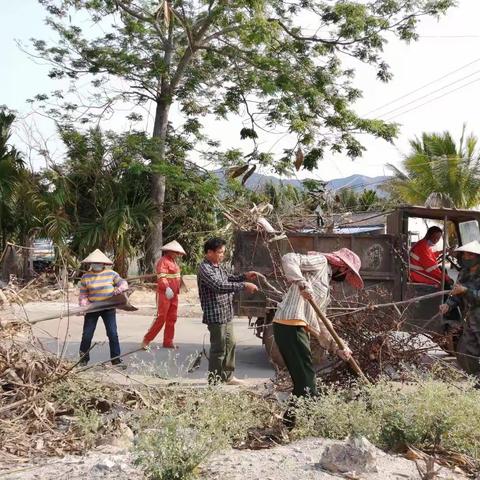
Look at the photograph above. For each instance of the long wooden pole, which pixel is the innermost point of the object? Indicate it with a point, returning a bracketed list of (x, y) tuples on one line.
[(142, 277), (444, 256), (328, 325), (444, 253), (119, 301)]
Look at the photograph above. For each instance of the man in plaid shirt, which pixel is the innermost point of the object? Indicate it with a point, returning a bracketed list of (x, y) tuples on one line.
[(216, 288)]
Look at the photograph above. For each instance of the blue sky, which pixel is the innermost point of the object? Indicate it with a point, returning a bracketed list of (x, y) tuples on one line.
[(20, 78), (444, 46)]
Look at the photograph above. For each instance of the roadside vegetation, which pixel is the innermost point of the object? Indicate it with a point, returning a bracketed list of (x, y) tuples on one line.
[(48, 409)]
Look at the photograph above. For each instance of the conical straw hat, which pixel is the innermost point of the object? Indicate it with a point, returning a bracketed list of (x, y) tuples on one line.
[(346, 257), (97, 256), (471, 247), (174, 247)]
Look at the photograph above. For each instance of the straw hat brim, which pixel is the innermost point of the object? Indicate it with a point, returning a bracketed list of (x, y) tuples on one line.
[(346, 257), (173, 246), (470, 247), (97, 256)]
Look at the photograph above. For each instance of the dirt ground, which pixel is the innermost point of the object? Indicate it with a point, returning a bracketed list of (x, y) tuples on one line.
[(297, 460)]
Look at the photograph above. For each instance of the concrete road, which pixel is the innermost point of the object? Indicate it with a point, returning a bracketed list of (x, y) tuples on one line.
[(191, 337)]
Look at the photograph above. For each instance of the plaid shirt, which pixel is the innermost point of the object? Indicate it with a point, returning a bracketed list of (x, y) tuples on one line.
[(216, 288)]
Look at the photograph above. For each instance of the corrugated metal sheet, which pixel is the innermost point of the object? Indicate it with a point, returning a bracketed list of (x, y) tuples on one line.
[(43, 250), (356, 230)]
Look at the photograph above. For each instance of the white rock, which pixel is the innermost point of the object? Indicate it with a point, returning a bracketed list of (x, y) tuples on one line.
[(105, 464), (357, 454)]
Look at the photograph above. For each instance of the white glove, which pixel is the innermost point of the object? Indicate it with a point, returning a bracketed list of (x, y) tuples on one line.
[(169, 293)]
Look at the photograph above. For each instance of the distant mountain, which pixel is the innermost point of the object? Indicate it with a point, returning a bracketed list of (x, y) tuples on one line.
[(356, 182)]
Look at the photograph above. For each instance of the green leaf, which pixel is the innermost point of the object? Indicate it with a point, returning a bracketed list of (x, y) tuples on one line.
[(248, 133)]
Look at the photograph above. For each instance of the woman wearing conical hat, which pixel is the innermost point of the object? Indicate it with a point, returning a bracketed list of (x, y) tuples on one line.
[(99, 284), (466, 295), (168, 288)]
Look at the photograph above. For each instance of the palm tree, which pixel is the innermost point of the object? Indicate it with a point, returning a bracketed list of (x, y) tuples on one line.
[(436, 165), (11, 167), (20, 195), (99, 197), (346, 199), (369, 200)]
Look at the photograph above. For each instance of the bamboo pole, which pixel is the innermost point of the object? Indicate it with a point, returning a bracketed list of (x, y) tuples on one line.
[(392, 304), (121, 303), (142, 277), (341, 345)]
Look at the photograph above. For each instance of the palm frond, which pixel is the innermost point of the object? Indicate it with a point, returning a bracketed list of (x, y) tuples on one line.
[(437, 165)]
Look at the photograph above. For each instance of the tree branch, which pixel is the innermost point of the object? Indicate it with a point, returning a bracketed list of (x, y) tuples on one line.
[(188, 54), (182, 19), (132, 12), (316, 39), (143, 18), (218, 34)]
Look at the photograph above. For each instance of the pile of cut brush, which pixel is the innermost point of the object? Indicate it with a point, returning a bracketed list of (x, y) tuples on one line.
[(46, 408), (377, 337), (45, 287), (381, 342), (27, 415)]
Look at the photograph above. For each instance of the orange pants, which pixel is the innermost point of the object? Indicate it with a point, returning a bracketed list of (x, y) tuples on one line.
[(166, 315)]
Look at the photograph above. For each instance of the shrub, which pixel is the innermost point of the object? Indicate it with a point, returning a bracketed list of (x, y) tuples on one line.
[(189, 427), (422, 414), (89, 423)]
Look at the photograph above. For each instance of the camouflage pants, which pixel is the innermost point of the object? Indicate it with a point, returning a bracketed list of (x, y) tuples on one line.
[(468, 349)]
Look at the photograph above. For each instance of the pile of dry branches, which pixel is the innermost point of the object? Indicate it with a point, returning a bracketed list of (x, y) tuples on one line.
[(41, 288), (376, 337), (28, 417), (377, 340), (45, 406)]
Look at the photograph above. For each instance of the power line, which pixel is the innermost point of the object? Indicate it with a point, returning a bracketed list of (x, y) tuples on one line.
[(449, 36), (428, 94), (423, 86), (433, 99)]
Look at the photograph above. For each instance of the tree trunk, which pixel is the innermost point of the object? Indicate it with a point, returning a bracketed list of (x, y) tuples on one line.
[(121, 264), (158, 183), (27, 257)]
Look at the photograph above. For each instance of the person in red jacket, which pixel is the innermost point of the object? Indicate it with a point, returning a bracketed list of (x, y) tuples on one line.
[(168, 288), (424, 261)]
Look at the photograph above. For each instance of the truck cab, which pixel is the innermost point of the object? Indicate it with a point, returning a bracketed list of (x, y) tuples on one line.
[(410, 224)]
